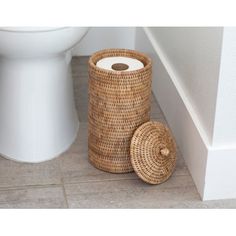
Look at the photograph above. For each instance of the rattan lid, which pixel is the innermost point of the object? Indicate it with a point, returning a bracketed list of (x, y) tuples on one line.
[(153, 152)]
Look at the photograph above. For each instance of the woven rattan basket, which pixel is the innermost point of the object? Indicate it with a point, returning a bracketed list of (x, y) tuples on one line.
[(119, 102), (153, 152)]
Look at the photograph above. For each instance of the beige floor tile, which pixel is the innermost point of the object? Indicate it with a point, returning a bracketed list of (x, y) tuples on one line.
[(76, 168), (156, 112), (131, 194), (181, 168), (80, 71), (81, 60), (216, 204), (82, 113), (21, 174), (44, 197)]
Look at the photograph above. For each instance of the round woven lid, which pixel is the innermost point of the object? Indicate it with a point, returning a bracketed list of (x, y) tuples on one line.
[(153, 152)]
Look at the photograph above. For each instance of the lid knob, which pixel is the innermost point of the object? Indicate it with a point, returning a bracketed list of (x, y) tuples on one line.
[(165, 152)]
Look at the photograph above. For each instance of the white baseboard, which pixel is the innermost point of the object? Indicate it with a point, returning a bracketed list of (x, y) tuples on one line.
[(221, 174), (213, 169)]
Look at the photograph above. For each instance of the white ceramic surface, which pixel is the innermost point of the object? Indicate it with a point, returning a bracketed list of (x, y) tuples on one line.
[(38, 119)]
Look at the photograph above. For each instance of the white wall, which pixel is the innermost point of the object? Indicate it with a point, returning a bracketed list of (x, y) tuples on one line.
[(194, 81), (220, 173), (177, 108), (225, 119), (194, 55), (105, 37)]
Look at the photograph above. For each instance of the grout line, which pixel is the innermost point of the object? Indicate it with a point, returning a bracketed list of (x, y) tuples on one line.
[(4, 188), (114, 180), (62, 182), (65, 195), (146, 185), (99, 181)]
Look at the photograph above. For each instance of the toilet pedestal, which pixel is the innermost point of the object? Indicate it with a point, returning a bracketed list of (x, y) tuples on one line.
[(38, 120)]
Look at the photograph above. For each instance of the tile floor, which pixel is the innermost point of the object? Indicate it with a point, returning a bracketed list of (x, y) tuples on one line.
[(69, 181)]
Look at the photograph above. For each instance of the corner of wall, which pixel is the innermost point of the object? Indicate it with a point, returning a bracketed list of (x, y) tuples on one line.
[(221, 174)]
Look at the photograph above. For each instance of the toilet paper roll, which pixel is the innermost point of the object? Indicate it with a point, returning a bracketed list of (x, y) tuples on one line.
[(119, 64)]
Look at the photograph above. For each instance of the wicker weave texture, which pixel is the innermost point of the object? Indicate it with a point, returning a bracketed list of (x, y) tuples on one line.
[(119, 102), (153, 152)]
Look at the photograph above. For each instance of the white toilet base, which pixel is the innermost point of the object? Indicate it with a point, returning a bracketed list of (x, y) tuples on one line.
[(38, 120)]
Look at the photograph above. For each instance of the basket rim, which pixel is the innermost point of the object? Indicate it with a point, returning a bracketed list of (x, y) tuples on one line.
[(92, 63)]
